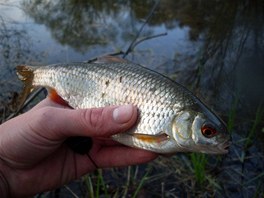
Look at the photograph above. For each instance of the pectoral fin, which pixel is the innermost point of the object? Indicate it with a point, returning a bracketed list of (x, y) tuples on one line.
[(55, 97)]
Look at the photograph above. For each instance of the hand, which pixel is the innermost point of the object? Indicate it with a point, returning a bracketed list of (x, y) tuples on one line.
[(34, 158)]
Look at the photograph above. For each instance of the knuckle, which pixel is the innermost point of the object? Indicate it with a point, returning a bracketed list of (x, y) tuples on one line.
[(45, 113), (44, 118), (94, 118)]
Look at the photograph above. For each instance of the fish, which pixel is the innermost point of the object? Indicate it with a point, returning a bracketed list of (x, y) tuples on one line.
[(171, 118)]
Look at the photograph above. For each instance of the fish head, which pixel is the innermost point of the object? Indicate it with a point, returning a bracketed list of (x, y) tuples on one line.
[(198, 131)]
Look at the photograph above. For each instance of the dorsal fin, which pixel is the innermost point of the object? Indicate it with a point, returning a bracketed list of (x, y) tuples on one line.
[(110, 59)]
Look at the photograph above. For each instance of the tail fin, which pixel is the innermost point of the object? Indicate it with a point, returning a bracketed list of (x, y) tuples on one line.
[(25, 74)]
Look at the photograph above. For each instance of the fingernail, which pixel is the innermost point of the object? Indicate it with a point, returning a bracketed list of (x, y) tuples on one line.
[(123, 114)]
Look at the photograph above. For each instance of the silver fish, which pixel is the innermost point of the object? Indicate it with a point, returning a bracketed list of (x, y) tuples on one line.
[(171, 119)]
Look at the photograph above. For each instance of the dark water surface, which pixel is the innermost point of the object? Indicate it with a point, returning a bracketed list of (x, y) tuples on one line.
[(215, 48)]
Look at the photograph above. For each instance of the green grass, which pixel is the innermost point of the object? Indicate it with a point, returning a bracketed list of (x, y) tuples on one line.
[(89, 185), (97, 184), (232, 115), (101, 184), (140, 185), (199, 161), (257, 121), (95, 191), (259, 190)]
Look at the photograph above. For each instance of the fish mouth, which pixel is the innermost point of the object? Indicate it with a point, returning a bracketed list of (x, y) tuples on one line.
[(224, 147)]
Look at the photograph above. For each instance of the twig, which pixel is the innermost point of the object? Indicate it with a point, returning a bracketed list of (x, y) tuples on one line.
[(128, 182), (72, 193), (30, 98), (111, 54), (130, 48), (148, 38)]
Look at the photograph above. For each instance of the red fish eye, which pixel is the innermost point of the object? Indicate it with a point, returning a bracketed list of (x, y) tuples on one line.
[(208, 131)]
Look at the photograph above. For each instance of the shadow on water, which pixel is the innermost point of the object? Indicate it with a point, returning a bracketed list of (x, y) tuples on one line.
[(215, 48)]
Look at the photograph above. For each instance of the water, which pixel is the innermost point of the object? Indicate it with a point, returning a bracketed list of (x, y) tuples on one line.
[(215, 48)]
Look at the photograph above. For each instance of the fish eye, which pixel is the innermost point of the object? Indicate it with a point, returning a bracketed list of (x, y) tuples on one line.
[(208, 131)]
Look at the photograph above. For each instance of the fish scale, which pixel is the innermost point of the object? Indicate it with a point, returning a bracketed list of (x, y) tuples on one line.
[(105, 80), (159, 99)]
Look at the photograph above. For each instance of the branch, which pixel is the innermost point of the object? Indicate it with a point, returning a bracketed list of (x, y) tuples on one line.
[(130, 48)]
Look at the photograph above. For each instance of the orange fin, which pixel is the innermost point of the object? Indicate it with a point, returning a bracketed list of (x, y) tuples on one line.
[(110, 59), (25, 74), (55, 97), (151, 138)]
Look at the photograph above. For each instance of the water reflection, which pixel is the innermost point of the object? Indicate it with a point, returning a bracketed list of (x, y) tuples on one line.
[(228, 31), (14, 48), (234, 43), (82, 24)]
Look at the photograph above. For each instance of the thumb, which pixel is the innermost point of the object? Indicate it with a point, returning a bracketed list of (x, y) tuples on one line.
[(59, 123)]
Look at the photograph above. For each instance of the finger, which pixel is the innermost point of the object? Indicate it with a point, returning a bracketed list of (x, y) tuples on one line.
[(121, 156), (106, 142), (115, 156), (58, 123)]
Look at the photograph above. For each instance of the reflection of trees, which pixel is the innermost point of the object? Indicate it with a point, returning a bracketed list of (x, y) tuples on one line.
[(14, 49), (235, 33), (81, 23), (85, 23), (13, 44), (199, 15), (224, 26), (231, 31), (91, 22)]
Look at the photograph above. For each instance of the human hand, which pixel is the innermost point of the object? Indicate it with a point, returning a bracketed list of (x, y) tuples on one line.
[(34, 157)]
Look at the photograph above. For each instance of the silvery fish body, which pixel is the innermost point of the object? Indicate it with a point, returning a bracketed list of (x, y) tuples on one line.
[(171, 119)]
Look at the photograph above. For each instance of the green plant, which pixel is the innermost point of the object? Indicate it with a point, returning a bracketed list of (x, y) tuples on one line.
[(141, 183), (89, 185), (252, 132), (199, 161), (101, 184), (232, 115)]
